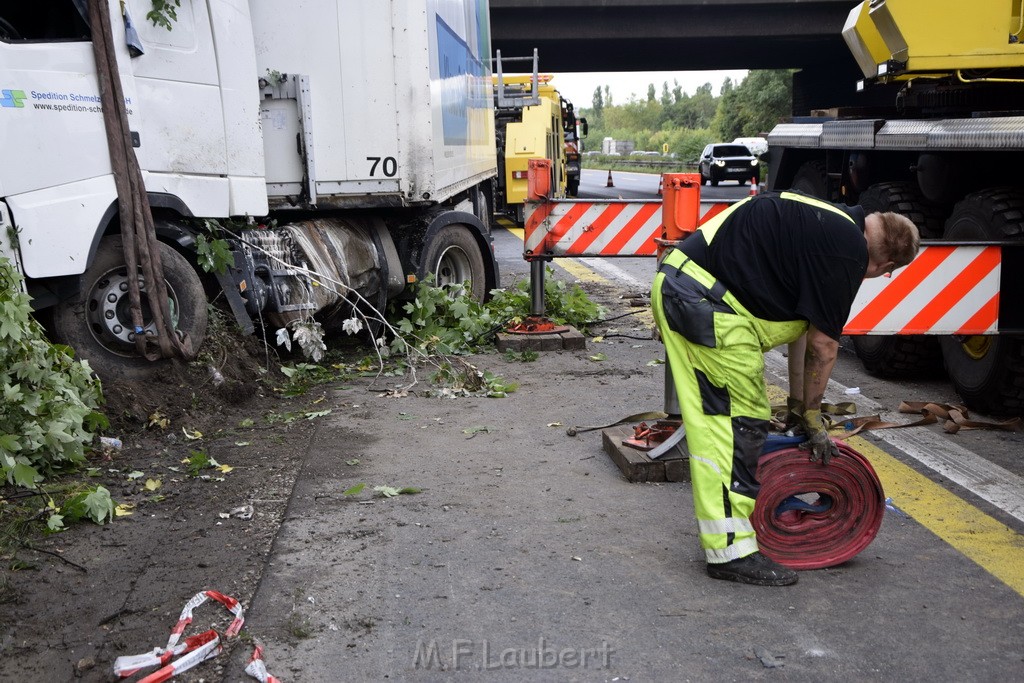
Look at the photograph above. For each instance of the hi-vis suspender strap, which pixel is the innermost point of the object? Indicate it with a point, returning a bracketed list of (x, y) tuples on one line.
[(793, 196), (716, 292), (710, 229)]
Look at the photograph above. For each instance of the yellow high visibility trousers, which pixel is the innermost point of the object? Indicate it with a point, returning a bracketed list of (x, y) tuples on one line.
[(715, 349)]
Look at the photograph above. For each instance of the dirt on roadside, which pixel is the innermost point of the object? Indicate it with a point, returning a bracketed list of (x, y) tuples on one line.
[(74, 601)]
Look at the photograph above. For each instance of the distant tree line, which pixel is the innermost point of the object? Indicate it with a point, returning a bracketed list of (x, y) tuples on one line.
[(688, 122)]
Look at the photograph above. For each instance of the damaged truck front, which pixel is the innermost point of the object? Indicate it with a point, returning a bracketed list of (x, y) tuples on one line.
[(346, 148)]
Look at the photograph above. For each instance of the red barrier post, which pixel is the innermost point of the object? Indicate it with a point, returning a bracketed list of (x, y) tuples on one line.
[(538, 180), (680, 211)]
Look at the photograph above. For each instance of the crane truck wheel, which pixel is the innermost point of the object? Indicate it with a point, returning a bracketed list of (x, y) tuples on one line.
[(895, 355), (987, 370), (453, 256), (97, 321), (811, 179)]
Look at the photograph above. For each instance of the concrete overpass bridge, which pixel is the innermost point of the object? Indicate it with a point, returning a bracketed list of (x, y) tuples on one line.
[(685, 35)]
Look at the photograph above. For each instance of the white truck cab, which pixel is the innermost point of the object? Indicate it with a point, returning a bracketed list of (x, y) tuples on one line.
[(364, 129)]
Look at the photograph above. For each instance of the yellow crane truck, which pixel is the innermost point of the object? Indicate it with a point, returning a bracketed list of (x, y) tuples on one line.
[(935, 131), (533, 121)]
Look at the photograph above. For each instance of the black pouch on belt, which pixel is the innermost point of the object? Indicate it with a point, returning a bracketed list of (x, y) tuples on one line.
[(690, 306)]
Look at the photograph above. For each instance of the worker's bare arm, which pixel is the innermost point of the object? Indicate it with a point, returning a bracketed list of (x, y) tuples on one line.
[(819, 360)]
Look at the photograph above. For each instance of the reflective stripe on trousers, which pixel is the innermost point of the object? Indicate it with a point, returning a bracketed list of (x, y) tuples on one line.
[(724, 405)]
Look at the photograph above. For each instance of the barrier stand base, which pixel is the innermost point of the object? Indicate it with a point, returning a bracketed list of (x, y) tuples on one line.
[(636, 465), (565, 338)]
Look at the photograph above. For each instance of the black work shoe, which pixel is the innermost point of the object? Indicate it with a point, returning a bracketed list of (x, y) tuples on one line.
[(755, 569)]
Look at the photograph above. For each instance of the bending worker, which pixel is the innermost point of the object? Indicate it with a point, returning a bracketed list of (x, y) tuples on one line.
[(760, 274)]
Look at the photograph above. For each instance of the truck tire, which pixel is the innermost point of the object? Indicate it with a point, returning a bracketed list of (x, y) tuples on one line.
[(572, 187), (987, 370), (96, 322), (812, 179), (453, 256), (899, 355)]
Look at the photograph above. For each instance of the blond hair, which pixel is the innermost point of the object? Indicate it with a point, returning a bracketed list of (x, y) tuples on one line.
[(900, 240)]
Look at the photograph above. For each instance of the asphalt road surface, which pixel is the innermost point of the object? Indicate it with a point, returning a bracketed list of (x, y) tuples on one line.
[(527, 555)]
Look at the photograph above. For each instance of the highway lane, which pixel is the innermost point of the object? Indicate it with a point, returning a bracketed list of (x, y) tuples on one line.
[(958, 486)]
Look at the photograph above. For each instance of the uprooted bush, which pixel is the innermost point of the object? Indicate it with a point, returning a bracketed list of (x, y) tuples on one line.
[(50, 399)]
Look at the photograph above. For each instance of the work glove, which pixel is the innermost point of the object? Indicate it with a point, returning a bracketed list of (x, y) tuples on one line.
[(794, 415), (818, 442)]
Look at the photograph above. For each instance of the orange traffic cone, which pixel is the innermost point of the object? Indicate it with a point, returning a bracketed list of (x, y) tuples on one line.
[(610, 183), (661, 184), (753, 186)]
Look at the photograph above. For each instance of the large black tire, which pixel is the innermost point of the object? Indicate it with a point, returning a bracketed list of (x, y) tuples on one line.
[(812, 179), (453, 257), (987, 371), (900, 355), (96, 323), (572, 187)]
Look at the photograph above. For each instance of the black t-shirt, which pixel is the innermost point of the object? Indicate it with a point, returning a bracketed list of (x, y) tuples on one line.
[(789, 257)]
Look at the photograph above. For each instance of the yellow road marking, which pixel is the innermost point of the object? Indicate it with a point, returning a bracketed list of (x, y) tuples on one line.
[(571, 266), (993, 546)]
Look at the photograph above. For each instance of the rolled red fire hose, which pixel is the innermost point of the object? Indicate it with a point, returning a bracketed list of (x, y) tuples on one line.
[(812, 516)]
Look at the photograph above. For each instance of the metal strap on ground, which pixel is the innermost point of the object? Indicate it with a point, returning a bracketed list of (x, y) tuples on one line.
[(940, 453)]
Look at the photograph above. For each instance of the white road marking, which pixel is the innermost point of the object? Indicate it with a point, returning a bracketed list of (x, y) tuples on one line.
[(984, 479), (613, 272)]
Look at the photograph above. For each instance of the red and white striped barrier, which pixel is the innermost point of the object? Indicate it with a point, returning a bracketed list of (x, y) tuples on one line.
[(945, 290), (194, 649), (593, 228)]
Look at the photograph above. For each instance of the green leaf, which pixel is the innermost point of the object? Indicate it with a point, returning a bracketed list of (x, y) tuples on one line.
[(387, 491), (354, 490), (99, 507), (9, 443), (213, 255), (55, 522), (25, 476)]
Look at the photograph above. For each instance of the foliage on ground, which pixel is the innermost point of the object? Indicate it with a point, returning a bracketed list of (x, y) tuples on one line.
[(447, 320), (50, 400)]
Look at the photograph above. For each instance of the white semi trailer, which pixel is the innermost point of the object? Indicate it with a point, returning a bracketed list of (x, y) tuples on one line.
[(361, 132)]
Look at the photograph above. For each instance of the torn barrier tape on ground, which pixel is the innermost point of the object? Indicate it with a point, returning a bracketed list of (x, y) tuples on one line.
[(809, 539), (194, 649), (257, 668)]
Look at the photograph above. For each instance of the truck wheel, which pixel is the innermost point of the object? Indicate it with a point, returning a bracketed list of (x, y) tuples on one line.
[(453, 256), (899, 355), (987, 370), (812, 179), (96, 323)]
